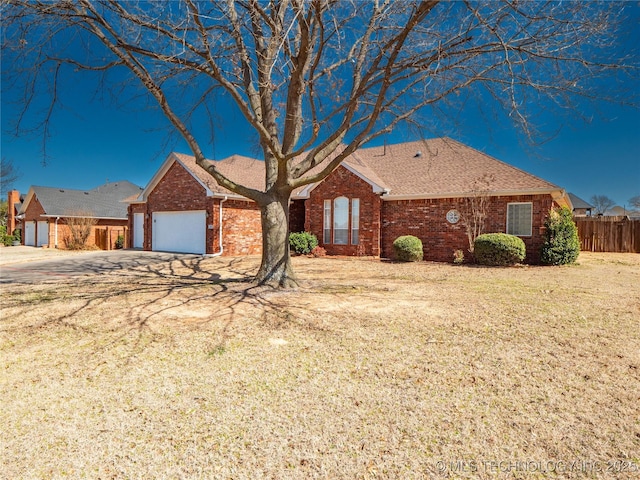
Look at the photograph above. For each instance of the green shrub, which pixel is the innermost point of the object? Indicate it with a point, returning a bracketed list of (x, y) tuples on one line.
[(303, 242), (17, 234), (408, 248), (561, 243), (5, 239), (120, 242), (499, 249)]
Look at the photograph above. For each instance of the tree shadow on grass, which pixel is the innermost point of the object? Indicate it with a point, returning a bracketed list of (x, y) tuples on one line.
[(139, 303)]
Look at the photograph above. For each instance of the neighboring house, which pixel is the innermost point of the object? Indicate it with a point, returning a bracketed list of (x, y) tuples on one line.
[(48, 212), (377, 194), (14, 202), (580, 207)]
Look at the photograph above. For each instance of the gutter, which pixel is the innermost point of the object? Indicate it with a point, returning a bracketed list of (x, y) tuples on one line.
[(493, 193), (220, 231)]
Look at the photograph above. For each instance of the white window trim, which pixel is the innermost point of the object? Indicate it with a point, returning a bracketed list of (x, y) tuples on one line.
[(333, 214), (326, 239), (353, 219), (530, 219)]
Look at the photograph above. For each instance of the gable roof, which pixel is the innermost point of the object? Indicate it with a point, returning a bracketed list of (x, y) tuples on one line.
[(103, 202), (246, 170), (436, 168), (577, 202)]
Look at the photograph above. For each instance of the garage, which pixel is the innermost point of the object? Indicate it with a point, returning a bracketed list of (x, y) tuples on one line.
[(43, 233), (30, 234), (182, 232)]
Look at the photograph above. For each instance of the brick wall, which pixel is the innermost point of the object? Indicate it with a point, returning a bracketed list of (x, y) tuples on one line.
[(343, 183), (241, 227), (178, 190), (426, 219), (112, 227), (33, 213), (13, 198)]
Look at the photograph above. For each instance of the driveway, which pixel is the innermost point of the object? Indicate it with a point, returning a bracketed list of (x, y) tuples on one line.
[(39, 265)]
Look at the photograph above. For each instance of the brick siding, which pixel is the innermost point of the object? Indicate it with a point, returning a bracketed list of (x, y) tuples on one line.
[(178, 190), (35, 212), (426, 219), (343, 183)]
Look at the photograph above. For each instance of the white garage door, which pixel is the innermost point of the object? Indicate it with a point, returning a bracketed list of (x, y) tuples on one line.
[(43, 233), (30, 234), (138, 230), (183, 232)]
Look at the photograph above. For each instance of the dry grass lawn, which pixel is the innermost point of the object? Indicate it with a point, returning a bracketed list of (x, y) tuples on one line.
[(370, 370)]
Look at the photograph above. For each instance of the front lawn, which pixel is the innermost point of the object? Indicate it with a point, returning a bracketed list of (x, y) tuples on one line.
[(371, 370)]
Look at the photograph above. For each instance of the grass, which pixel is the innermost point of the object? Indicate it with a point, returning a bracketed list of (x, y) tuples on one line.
[(370, 370)]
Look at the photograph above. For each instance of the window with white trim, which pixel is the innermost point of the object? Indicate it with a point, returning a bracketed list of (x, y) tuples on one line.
[(341, 225), (326, 235), (355, 221), (520, 219), (341, 221)]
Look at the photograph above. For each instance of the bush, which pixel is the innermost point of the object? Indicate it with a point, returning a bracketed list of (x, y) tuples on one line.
[(561, 243), (303, 243), (499, 249), (408, 248), (17, 234), (120, 242), (319, 252), (5, 239)]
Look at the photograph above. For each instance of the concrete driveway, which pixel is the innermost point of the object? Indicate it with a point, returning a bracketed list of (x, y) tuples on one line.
[(33, 265)]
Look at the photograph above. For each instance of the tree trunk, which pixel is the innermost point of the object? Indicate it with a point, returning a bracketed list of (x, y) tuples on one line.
[(276, 269)]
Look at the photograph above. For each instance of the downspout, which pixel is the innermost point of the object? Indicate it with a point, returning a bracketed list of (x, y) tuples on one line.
[(220, 230)]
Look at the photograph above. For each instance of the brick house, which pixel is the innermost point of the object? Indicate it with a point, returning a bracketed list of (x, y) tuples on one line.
[(377, 194), (47, 213), (181, 207)]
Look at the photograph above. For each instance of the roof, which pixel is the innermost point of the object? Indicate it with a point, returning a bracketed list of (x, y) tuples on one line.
[(445, 167), (105, 201), (435, 168), (577, 202)]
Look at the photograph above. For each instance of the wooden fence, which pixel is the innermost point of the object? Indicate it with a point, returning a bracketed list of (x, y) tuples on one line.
[(608, 234), (105, 237)]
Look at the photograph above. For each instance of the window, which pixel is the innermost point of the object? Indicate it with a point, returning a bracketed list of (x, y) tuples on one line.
[(326, 235), (355, 220), (519, 219), (341, 221)]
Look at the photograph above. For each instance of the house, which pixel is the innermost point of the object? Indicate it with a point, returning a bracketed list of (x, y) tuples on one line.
[(49, 214), (14, 202), (580, 207), (377, 194)]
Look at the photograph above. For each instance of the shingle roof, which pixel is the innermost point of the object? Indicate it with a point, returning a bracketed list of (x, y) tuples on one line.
[(443, 166), (245, 170), (577, 202), (426, 168), (104, 201)]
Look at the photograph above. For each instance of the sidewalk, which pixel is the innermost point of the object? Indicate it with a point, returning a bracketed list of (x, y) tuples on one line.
[(21, 254)]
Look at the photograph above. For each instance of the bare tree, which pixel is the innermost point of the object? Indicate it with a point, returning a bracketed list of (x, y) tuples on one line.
[(8, 175), (314, 79), (635, 202), (601, 203), (474, 208), (80, 224)]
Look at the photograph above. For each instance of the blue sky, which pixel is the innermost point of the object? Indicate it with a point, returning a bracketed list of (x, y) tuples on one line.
[(92, 141)]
